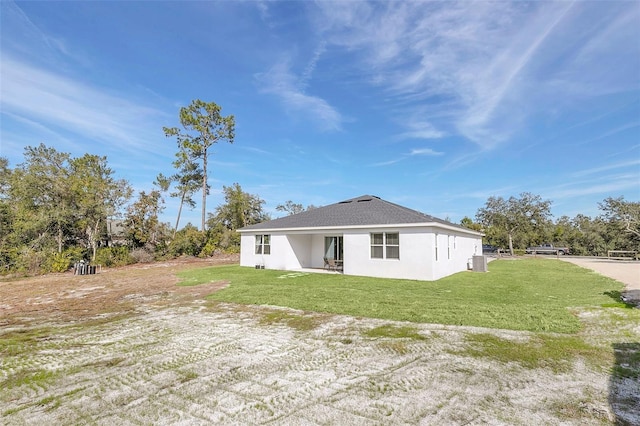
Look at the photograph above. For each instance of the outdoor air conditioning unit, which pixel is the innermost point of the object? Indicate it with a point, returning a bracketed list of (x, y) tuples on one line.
[(480, 264)]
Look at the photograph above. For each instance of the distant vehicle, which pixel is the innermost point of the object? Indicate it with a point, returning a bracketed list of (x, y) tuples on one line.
[(548, 249), (488, 248)]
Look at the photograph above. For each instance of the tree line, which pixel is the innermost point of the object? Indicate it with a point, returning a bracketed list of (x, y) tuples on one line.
[(525, 220), (56, 209)]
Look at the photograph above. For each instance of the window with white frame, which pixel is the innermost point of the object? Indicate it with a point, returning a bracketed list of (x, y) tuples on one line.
[(385, 245), (448, 247), (263, 244), (436, 246)]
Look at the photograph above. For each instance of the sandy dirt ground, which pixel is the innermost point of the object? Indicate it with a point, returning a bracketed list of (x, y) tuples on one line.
[(625, 271), (128, 346)]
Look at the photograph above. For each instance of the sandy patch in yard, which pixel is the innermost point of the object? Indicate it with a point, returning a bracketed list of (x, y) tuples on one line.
[(173, 358), (625, 271), (193, 365), (73, 297)]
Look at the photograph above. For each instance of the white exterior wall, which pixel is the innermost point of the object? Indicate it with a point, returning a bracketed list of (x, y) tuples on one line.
[(287, 252), (454, 252), (410, 265), (417, 252)]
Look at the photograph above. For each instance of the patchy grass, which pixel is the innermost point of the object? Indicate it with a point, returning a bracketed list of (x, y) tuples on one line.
[(581, 410), (528, 294), (187, 375), (298, 322), (618, 302), (18, 341), (395, 332), (29, 377), (540, 351)]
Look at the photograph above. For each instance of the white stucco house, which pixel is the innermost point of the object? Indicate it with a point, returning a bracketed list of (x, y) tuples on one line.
[(364, 236)]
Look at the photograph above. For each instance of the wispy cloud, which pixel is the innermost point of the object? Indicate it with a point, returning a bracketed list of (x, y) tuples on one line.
[(281, 82), (28, 39), (311, 66), (59, 102), (386, 163), (615, 166), (425, 151), (256, 150), (611, 132), (490, 65), (420, 129), (606, 187)]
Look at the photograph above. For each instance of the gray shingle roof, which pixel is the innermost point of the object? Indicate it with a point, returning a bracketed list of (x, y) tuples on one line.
[(361, 211)]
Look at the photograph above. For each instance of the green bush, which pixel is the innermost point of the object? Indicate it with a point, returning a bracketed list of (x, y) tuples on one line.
[(187, 241), (62, 262), (221, 239), (58, 262), (7, 260), (26, 260), (114, 256)]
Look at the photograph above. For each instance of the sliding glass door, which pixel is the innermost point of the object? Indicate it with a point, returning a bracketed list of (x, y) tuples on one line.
[(333, 248)]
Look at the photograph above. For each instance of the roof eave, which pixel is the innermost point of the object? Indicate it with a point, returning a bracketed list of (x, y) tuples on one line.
[(321, 229)]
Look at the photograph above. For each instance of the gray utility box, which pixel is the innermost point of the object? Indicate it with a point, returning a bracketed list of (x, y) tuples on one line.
[(480, 264)]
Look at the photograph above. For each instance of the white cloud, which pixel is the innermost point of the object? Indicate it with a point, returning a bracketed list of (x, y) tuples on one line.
[(621, 165), (308, 72), (418, 129), (386, 163), (489, 65), (57, 102), (26, 37), (606, 187), (611, 132), (425, 151), (281, 82)]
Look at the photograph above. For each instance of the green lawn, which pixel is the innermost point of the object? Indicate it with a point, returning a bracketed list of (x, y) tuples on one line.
[(523, 294)]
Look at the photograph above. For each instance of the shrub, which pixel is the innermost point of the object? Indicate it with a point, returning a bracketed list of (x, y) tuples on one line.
[(187, 241), (141, 255), (58, 262), (114, 256), (221, 239), (28, 261), (61, 262)]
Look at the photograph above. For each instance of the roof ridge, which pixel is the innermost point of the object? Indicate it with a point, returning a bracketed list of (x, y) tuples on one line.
[(408, 209), (364, 210)]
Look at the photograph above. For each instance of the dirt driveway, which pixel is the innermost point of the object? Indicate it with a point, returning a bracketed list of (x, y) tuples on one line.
[(627, 272), (130, 347)]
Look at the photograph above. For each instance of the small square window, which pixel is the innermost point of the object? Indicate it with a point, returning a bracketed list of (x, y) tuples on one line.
[(385, 245), (263, 245)]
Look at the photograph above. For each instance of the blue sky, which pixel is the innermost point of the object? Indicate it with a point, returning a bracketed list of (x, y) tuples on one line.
[(433, 105)]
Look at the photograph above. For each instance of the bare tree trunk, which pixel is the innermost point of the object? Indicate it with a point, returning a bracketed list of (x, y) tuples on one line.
[(179, 213), (510, 243), (59, 238), (204, 187), (94, 242)]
